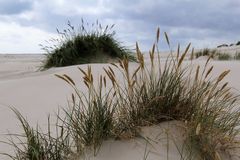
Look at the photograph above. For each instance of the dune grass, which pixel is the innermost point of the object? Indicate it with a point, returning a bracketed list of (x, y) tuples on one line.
[(206, 52), (146, 95), (214, 54), (35, 145), (237, 56), (90, 119), (87, 44), (224, 56)]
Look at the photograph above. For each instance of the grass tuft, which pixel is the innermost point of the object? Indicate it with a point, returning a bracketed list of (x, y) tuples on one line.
[(224, 56), (90, 117), (87, 44), (237, 56), (35, 145)]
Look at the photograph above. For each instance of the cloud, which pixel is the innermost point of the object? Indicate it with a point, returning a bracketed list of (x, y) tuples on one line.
[(205, 23), (18, 39), (185, 20), (11, 7)]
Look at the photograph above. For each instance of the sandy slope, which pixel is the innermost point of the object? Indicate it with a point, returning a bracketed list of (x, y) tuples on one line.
[(36, 94)]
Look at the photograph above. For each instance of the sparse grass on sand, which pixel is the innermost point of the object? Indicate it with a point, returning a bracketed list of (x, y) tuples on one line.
[(206, 52), (224, 56), (87, 44), (150, 94), (237, 56), (214, 54), (35, 145)]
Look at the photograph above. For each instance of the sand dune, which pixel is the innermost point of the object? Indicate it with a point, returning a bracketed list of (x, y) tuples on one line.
[(37, 93)]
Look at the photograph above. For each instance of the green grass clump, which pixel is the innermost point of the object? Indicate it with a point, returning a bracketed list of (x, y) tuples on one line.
[(94, 45), (35, 145), (214, 54), (148, 95), (224, 56), (215, 120), (237, 56), (90, 118), (204, 52)]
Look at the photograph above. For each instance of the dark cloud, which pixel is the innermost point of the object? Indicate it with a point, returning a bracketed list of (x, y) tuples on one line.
[(193, 19), (201, 22), (222, 15), (11, 7)]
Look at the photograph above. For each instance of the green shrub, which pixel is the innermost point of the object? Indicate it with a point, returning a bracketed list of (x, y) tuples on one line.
[(97, 44)]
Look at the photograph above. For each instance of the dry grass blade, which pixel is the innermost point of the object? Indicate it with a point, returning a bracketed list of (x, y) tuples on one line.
[(209, 71), (135, 72), (224, 85), (222, 75), (69, 79), (61, 77), (138, 51), (197, 73), (85, 74), (110, 76), (104, 80), (167, 39), (111, 71), (153, 50), (183, 55), (208, 60), (113, 64), (192, 54), (178, 51), (158, 34), (73, 99), (65, 79)]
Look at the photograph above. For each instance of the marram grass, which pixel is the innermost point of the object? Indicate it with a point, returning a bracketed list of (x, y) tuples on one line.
[(149, 94), (35, 145), (215, 54), (87, 44)]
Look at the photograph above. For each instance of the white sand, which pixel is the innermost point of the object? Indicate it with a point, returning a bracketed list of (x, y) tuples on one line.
[(37, 93)]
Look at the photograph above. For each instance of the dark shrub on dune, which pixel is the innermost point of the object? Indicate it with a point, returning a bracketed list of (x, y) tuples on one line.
[(222, 45), (94, 45)]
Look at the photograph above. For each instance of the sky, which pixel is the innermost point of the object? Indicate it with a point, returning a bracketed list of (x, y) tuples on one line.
[(24, 24)]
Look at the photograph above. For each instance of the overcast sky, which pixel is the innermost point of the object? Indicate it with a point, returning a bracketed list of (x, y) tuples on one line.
[(24, 24)]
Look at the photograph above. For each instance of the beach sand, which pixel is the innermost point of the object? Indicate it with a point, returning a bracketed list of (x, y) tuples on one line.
[(39, 93)]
